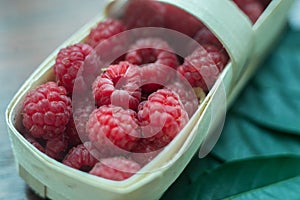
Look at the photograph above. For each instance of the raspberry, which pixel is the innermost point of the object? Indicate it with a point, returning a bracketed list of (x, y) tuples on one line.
[(151, 50), (162, 117), (205, 36), (104, 30), (144, 13), (56, 147), (148, 13), (118, 85), (113, 130), (144, 152), (76, 128), (72, 134), (252, 8), (187, 96), (181, 21), (203, 66), (115, 168), (46, 111), (34, 142), (68, 62), (155, 58), (79, 157)]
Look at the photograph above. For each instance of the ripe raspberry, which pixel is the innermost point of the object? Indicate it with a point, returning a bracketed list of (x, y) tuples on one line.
[(187, 96), (113, 130), (115, 168), (56, 147), (151, 50), (79, 157), (144, 152), (181, 21), (104, 30), (72, 134), (118, 85), (155, 58), (76, 128), (34, 142), (203, 66), (252, 8), (46, 111), (162, 117), (68, 62), (204, 36), (148, 13), (144, 13)]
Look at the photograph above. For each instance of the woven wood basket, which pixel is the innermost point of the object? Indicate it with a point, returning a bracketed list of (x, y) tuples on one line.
[(246, 45)]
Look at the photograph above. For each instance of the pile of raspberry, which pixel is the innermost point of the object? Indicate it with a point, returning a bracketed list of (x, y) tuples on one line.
[(130, 109)]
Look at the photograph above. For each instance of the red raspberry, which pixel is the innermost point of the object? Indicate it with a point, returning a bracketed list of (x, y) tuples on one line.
[(68, 62), (118, 85), (181, 21), (252, 8), (155, 57), (56, 147), (113, 130), (76, 128), (46, 111), (72, 134), (80, 157), (116, 168), (205, 36), (149, 13), (104, 30), (203, 66), (144, 152), (162, 117), (144, 13), (187, 96), (151, 50), (34, 142)]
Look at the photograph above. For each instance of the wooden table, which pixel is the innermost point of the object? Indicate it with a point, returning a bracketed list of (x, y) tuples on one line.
[(29, 31)]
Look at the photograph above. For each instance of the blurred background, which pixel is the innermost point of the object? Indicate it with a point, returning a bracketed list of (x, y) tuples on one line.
[(29, 31)]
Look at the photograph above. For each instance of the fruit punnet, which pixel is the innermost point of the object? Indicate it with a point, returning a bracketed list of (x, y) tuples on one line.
[(127, 121)]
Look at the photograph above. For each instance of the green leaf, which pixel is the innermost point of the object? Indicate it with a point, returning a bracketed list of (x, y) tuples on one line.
[(242, 138), (272, 98), (196, 168), (265, 118), (257, 178), (271, 107), (283, 190)]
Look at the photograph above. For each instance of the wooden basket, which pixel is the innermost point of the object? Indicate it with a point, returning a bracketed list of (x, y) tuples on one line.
[(247, 45)]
